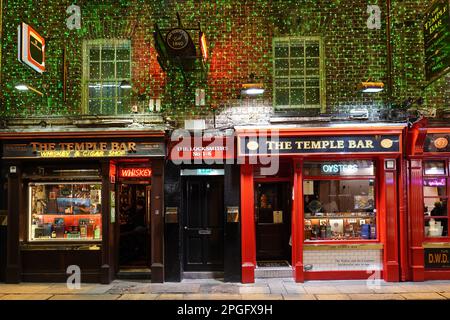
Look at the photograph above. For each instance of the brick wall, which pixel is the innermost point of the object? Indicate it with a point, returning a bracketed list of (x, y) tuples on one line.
[(240, 37)]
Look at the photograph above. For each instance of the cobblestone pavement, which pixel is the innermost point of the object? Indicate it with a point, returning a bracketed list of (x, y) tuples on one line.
[(262, 289)]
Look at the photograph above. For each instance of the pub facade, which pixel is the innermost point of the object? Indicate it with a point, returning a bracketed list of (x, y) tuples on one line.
[(84, 201), (321, 203)]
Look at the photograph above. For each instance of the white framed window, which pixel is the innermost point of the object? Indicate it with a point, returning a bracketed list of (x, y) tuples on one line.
[(106, 76), (298, 66)]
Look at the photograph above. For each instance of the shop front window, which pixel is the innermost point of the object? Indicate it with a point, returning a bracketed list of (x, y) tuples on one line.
[(65, 211), (435, 193), (339, 201)]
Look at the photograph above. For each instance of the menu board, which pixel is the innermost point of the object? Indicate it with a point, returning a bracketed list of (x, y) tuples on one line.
[(436, 29)]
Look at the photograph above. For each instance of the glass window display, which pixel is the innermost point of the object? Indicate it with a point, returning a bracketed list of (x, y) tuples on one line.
[(339, 201), (435, 196), (65, 211)]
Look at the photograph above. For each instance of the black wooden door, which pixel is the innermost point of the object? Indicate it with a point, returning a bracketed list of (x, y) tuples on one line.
[(273, 221), (203, 224)]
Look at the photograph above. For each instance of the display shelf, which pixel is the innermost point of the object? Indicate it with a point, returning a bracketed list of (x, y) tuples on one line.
[(340, 217)]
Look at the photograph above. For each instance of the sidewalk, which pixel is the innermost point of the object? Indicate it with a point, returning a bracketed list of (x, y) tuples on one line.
[(263, 289)]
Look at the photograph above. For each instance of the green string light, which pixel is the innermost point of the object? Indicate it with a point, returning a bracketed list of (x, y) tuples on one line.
[(239, 34)]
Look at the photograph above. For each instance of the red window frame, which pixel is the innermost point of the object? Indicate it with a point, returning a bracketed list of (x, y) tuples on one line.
[(446, 176)]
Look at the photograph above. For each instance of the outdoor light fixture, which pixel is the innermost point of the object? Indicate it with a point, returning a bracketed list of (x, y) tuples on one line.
[(252, 88), (125, 85), (25, 87), (371, 87)]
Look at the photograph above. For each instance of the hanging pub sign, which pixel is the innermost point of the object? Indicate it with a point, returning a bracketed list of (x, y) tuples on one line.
[(437, 257), (31, 48), (264, 145), (83, 149), (436, 29)]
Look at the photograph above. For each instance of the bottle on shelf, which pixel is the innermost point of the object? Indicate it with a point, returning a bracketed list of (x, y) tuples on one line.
[(97, 232)]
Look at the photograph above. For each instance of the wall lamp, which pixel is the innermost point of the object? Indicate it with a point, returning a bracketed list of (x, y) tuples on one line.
[(252, 88), (25, 87), (371, 87)]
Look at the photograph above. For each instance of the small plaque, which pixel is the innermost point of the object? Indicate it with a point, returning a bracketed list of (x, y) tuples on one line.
[(171, 215), (233, 214)]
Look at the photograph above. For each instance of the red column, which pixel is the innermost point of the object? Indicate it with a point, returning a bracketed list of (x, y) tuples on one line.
[(297, 223), (403, 221), (391, 205), (248, 224), (416, 225)]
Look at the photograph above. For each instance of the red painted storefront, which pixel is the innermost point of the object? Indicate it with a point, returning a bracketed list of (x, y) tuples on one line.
[(428, 182), (389, 198)]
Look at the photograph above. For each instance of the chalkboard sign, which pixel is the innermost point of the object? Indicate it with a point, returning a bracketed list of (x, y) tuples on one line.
[(436, 30)]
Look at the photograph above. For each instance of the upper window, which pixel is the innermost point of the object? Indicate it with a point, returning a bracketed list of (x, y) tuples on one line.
[(107, 75), (436, 194), (298, 73)]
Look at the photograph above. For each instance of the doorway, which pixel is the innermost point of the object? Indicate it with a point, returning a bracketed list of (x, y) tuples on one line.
[(134, 225), (273, 224), (203, 223)]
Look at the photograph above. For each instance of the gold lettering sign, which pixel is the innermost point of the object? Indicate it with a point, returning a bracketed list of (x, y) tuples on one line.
[(82, 149)]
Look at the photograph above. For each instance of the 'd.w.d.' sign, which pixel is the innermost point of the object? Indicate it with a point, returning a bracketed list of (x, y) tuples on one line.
[(437, 257)]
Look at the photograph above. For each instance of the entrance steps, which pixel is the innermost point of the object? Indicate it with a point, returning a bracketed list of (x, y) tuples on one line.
[(273, 272), (202, 275), (134, 274)]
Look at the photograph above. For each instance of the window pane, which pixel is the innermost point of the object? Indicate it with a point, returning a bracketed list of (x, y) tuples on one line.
[(281, 52), (64, 212), (312, 50), (312, 82), (297, 97), (282, 63), (297, 72), (282, 97), (108, 106), (123, 54), (108, 90), (435, 206), (108, 54), (339, 210), (312, 95), (297, 51), (123, 70), (94, 90), (312, 72), (94, 70), (434, 167), (297, 63), (435, 187), (436, 227), (94, 54), (94, 106), (282, 83), (297, 83), (312, 63), (123, 106), (108, 70)]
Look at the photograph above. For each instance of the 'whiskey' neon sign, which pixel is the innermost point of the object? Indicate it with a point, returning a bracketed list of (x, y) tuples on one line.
[(135, 172)]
